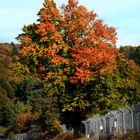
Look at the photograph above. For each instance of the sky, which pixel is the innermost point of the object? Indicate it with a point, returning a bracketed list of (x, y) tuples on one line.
[(124, 15)]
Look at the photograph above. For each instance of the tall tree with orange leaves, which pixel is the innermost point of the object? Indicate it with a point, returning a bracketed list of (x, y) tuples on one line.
[(72, 51), (71, 43)]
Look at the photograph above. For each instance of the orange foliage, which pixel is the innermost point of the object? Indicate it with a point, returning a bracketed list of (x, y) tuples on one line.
[(92, 42), (51, 10), (56, 123), (74, 37), (25, 39), (22, 121), (59, 60)]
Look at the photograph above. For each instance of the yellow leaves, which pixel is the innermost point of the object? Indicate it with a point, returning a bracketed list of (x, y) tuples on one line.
[(18, 72), (56, 123), (57, 75), (77, 101)]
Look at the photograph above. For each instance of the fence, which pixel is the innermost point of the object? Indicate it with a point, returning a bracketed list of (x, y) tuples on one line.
[(116, 122), (23, 136)]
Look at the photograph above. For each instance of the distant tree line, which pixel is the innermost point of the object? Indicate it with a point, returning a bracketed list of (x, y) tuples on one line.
[(132, 53)]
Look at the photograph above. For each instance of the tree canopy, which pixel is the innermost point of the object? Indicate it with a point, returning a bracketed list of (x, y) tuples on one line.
[(74, 56), (131, 52)]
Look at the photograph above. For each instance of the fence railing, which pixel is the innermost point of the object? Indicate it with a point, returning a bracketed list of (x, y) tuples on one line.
[(116, 122)]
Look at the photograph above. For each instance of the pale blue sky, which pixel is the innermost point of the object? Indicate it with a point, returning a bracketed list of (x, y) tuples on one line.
[(122, 14)]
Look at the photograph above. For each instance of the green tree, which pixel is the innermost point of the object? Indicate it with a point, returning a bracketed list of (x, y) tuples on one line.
[(131, 53), (74, 54), (7, 114), (52, 52), (32, 96)]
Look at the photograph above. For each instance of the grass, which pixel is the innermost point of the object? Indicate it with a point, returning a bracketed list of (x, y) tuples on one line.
[(129, 136), (67, 136), (132, 136), (2, 130)]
